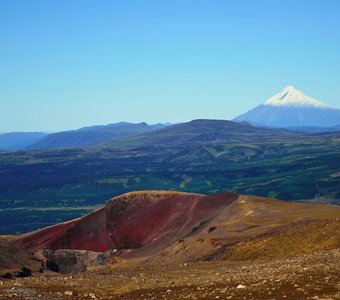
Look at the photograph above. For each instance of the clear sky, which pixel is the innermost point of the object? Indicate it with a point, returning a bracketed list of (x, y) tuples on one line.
[(70, 63)]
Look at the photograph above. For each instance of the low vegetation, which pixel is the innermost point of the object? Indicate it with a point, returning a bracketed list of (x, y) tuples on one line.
[(202, 156)]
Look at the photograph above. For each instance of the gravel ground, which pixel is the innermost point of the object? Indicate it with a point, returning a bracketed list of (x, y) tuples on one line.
[(313, 276)]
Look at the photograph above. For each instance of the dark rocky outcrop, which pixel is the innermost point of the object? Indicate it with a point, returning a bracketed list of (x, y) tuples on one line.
[(72, 261), (16, 262)]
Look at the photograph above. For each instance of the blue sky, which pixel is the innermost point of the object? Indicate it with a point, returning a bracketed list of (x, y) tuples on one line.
[(68, 64)]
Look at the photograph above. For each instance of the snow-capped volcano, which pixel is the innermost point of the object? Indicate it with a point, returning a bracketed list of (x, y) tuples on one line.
[(290, 96), (291, 108)]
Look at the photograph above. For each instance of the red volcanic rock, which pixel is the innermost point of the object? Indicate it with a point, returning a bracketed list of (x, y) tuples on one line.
[(86, 233), (131, 221)]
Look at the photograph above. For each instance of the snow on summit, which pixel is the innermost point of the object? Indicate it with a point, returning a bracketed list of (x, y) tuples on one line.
[(292, 108), (292, 97)]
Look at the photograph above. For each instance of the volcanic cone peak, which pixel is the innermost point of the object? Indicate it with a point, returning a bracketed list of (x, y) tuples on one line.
[(291, 108), (290, 96)]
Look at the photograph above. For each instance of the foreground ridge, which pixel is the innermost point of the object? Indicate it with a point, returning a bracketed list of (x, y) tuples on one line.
[(144, 223), (181, 245)]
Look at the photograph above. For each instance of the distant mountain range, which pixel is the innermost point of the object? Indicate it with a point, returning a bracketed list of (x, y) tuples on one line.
[(202, 131), (292, 108), (82, 137), (19, 140), (90, 136)]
